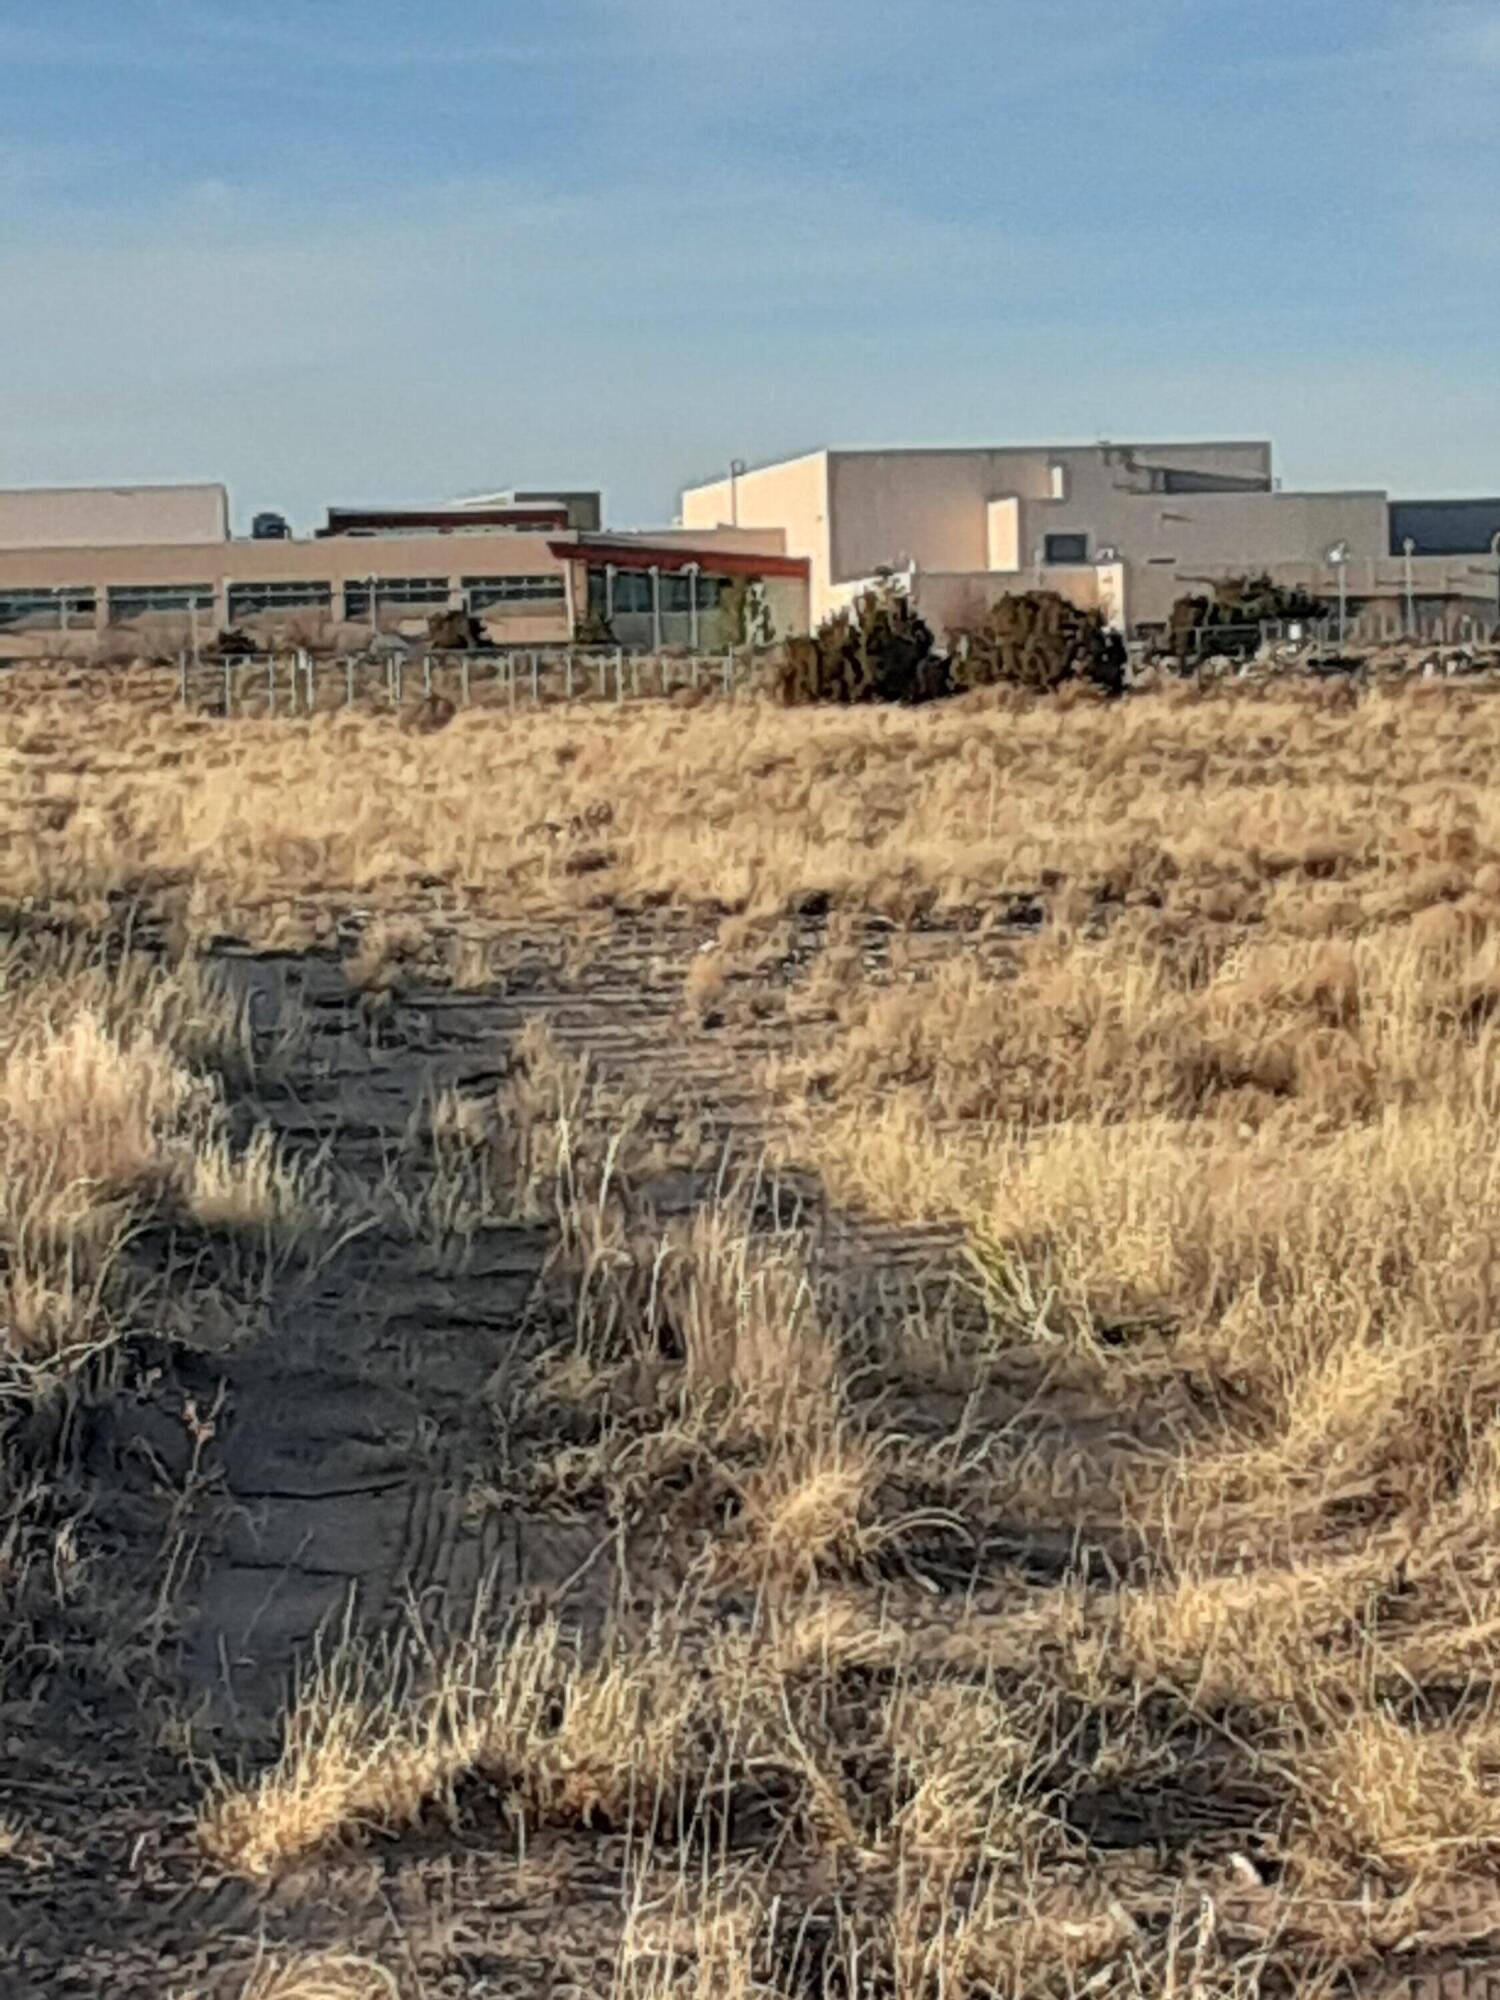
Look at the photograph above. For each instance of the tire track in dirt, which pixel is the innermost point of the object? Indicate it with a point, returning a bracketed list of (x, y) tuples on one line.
[(355, 1431)]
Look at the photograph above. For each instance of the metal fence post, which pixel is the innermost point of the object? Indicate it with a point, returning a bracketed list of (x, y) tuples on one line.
[(535, 665), (729, 671), (182, 683), (463, 677), (349, 681), (427, 677), (510, 678), (229, 687), (635, 676), (310, 681), (270, 684), (568, 674), (400, 668), (694, 667)]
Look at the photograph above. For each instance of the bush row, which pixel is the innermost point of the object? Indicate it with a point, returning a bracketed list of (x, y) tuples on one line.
[(880, 648)]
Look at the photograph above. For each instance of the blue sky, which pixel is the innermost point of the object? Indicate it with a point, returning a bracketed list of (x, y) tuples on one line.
[(359, 250)]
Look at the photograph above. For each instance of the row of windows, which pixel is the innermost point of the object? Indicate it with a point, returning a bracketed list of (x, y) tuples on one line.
[(482, 591), (630, 590), (392, 592), (60, 608), (150, 600), (251, 600)]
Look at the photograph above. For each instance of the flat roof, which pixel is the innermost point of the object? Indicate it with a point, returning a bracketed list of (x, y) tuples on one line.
[(121, 486), (985, 450), (1048, 444), (1436, 506)]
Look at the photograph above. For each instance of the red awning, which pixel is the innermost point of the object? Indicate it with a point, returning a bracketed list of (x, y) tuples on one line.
[(679, 556)]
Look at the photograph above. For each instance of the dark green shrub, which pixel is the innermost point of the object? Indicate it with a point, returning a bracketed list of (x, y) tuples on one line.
[(878, 649), (230, 644), (1040, 641), (454, 632), (1229, 622), (593, 629)]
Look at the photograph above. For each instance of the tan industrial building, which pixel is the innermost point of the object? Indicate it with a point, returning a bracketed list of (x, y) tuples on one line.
[(112, 571), (1127, 528), (90, 573), (110, 517)]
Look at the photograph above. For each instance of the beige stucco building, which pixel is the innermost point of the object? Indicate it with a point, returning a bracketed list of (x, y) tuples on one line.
[(90, 517), (83, 575), (1127, 527)]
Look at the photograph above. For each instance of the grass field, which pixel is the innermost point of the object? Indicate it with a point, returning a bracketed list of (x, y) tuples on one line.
[(691, 1350)]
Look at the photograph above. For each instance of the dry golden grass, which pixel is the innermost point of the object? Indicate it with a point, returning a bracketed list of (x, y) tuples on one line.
[(112, 1110), (375, 1742), (1281, 806), (318, 1976), (1182, 1013)]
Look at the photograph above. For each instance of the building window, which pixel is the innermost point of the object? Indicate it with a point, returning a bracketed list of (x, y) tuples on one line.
[(154, 600), (1057, 477), (484, 592), (632, 590), (1065, 549), (56, 609), (253, 600), (677, 592), (393, 593)]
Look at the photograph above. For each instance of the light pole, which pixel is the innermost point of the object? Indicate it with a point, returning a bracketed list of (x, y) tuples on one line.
[(737, 468), (1338, 555), (692, 577), (1408, 550)]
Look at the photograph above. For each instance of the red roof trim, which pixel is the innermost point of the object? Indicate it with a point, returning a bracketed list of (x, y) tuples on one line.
[(679, 556)]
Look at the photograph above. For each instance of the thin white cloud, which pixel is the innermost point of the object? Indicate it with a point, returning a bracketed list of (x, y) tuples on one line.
[(1448, 39), (31, 168), (45, 46), (197, 38), (404, 345), (210, 32)]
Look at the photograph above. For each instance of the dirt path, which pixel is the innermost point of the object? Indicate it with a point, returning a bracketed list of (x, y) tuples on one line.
[(312, 1462), (318, 1459)]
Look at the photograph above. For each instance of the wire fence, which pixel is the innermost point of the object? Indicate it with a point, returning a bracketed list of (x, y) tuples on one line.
[(1329, 635), (300, 683)]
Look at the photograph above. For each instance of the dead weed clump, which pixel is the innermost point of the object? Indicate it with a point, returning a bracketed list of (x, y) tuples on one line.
[(332, 1975), (1412, 1808), (375, 1742), (113, 1111)]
